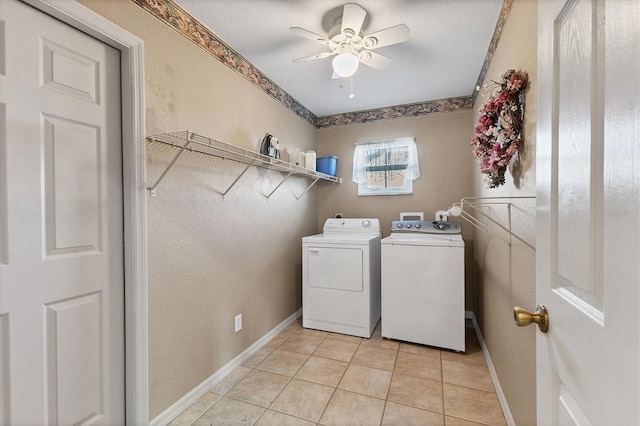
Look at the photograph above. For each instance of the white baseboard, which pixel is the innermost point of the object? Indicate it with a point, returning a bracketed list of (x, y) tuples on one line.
[(186, 401), (494, 376)]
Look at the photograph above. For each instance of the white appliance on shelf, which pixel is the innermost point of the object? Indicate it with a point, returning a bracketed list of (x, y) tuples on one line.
[(423, 290), (341, 277)]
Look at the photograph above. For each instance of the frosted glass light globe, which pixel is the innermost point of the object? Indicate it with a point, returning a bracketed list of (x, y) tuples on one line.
[(345, 64)]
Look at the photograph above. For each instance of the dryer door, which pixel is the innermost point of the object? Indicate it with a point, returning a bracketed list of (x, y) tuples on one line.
[(339, 268)]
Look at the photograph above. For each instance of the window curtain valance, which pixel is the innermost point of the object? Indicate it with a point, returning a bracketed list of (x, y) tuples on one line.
[(366, 154)]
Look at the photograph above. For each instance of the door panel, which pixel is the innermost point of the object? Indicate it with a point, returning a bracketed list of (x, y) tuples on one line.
[(588, 209), (72, 173), (569, 410), (4, 230), (4, 369), (578, 36), (61, 276), (75, 382), (70, 72)]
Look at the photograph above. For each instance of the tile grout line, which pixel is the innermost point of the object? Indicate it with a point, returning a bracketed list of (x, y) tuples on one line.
[(386, 399), (335, 388), (444, 414)]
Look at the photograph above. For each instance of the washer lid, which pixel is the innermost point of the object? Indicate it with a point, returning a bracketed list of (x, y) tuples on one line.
[(410, 239)]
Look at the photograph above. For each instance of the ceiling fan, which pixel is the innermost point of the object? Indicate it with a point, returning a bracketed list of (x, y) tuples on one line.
[(351, 47)]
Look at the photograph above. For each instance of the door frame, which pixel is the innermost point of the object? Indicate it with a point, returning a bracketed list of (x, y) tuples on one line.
[(134, 192)]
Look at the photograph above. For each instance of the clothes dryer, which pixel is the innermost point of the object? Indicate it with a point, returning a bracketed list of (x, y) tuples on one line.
[(423, 291), (341, 277)]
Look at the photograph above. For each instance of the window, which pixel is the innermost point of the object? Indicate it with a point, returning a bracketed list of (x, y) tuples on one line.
[(386, 167)]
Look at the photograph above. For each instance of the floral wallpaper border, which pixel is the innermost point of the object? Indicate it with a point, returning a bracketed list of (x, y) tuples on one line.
[(176, 17), (394, 112), (497, 32)]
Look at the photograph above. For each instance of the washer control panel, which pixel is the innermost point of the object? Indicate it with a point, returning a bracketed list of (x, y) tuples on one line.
[(426, 227)]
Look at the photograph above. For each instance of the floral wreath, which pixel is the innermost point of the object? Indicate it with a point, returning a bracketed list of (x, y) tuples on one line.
[(498, 133)]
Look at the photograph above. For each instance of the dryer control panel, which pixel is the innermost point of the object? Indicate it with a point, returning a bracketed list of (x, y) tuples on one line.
[(352, 226), (425, 227)]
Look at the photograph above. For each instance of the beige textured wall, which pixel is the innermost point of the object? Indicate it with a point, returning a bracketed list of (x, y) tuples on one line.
[(505, 277), (211, 259), (446, 176)]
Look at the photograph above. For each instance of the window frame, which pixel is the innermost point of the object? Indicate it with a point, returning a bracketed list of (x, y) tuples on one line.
[(387, 145)]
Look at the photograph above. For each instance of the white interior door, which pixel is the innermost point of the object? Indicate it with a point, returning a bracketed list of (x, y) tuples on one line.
[(588, 242), (61, 224)]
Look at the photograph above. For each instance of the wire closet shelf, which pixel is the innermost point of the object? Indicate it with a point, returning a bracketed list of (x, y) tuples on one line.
[(189, 141)]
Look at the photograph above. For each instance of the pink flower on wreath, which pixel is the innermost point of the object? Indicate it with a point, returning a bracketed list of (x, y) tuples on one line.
[(502, 97), (483, 124), (515, 82), (512, 149), (509, 133), (486, 165), (490, 107)]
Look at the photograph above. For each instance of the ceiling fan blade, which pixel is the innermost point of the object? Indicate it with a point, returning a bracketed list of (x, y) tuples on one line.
[(374, 60), (316, 56), (310, 35), (389, 36), (352, 19)]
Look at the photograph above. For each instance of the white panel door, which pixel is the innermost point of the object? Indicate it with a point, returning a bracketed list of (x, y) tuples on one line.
[(588, 242), (61, 224)]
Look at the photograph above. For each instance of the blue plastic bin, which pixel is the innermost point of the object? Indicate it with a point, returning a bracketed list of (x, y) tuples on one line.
[(327, 165)]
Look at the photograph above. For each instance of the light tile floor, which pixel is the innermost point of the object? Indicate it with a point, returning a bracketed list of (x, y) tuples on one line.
[(311, 377)]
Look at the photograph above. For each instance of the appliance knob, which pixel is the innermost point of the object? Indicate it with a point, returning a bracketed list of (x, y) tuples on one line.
[(366, 223), (408, 225), (418, 226), (440, 226), (399, 225)]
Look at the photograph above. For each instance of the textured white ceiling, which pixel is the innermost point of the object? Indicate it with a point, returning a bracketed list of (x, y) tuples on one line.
[(442, 59)]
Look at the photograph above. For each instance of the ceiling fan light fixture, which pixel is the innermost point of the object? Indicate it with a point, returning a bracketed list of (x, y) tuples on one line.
[(351, 45), (345, 64)]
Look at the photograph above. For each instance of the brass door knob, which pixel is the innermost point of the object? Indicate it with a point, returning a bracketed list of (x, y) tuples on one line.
[(524, 317)]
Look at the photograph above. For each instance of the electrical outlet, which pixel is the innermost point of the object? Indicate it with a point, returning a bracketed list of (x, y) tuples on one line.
[(238, 322)]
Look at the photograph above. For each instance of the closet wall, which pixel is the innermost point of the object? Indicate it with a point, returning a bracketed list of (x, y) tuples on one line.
[(211, 259)]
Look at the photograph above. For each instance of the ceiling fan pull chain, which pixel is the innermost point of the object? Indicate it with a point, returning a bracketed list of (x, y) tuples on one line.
[(351, 95)]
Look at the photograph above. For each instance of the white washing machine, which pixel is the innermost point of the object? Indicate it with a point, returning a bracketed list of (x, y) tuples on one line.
[(341, 277), (423, 291)]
